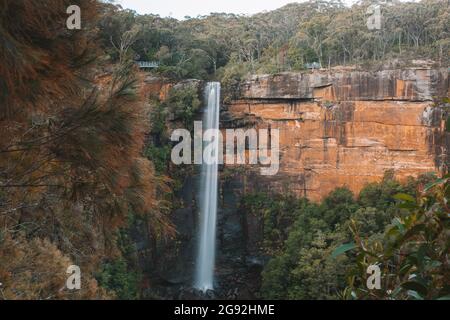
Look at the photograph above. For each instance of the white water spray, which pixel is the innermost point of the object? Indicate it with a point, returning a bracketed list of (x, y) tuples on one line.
[(208, 195)]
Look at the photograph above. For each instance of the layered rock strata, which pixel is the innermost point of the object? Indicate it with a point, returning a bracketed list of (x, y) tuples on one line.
[(346, 128)]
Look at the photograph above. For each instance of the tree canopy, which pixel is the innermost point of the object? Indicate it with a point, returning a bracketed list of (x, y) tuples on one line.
[(286, 39)]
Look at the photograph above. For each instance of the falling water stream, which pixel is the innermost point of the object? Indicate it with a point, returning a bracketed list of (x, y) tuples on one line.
[(208, 194)]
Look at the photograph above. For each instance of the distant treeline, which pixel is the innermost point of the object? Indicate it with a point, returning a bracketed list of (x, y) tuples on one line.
[(327, 32)]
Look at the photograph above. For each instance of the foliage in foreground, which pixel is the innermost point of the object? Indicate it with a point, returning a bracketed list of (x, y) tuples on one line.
[(71, 140), (413, 252), (301, 236)]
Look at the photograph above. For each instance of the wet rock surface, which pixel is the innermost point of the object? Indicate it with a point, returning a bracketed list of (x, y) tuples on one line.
[(238, 263)]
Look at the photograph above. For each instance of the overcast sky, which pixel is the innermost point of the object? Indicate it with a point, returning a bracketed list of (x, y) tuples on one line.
[(181, 8)]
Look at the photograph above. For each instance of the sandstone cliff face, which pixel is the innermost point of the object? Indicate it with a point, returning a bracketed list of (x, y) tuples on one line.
[(346, 128), (337, 129), (407, 85)]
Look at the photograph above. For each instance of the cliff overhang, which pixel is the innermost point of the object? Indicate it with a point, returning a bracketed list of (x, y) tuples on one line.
[(346, 128)]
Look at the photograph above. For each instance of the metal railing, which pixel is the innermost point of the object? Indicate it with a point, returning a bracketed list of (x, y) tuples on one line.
[(314, 65), (147, 64)]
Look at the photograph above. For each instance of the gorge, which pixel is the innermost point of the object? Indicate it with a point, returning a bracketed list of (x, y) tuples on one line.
[(339, 128), (345, 130)]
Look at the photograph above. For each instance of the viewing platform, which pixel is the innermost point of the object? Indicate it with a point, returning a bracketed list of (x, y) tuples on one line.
[(147, 64)]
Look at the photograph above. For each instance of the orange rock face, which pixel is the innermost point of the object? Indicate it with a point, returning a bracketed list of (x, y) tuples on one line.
[(346, 129)]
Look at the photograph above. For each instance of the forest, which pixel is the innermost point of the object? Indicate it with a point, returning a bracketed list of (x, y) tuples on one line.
[(386, 218), (327, 32), (85, 170)]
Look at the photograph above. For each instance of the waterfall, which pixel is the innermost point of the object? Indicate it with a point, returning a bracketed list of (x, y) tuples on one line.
[(208, 194)]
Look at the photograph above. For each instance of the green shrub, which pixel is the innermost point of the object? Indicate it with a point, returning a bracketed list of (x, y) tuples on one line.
[(160, 156), (303, 265), (184, 103), (412, 253), (117, 277)]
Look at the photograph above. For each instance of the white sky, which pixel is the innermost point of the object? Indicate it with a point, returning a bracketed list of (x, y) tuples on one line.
[(181, 8)]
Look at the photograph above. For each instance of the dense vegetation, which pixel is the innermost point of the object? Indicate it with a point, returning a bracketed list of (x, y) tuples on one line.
[(227, 46), (413, 252), (301, 238), (71, 166), (84, 164)]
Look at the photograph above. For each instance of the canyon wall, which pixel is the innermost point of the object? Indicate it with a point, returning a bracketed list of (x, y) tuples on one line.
[(345, 128), (337, 129)]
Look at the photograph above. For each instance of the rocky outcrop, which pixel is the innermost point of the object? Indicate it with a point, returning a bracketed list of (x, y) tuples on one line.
[(346, 128), (402, 85), (343, 128)]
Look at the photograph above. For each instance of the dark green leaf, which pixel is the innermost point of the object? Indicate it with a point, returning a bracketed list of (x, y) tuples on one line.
[(342, 249), (414, 294), (399, 224), (434, 183), (415, 286)]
